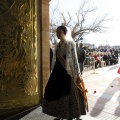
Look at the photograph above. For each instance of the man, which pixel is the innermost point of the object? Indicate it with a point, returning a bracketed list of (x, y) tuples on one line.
[(81, 56), (116, 53)]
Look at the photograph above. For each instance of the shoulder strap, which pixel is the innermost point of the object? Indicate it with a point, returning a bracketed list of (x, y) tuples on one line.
[(61, 59), (81, 85)]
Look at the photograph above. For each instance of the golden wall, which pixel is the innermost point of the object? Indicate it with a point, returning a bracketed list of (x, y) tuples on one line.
[(18, 56)]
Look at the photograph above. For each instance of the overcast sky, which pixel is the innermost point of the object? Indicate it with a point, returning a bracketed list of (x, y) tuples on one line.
[(112, 36)]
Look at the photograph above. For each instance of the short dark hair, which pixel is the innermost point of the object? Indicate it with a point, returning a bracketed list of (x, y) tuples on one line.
[(63, 28), (80, 44)]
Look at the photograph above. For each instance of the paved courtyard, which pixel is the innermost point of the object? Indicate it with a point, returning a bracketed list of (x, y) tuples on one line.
[(103, 86), (103, 93)]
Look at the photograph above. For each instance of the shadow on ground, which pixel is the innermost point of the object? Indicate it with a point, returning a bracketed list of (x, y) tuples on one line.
[(114, 67), (113, 87)]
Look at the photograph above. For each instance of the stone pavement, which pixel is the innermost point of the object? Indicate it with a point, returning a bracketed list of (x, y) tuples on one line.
[(103, 96), (103, 92)]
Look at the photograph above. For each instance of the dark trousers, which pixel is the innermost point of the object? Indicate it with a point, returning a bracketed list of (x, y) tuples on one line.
[(81, 67)]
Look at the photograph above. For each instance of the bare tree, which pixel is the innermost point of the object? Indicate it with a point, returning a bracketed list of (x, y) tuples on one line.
[(80, 24)]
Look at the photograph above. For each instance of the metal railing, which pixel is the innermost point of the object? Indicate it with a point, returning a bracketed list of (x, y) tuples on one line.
[(90, 63)]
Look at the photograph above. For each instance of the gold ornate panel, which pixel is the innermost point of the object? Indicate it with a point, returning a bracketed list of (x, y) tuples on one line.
[(18, 55)]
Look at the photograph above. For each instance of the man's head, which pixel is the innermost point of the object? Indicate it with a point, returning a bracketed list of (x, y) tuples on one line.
[(80, 45)]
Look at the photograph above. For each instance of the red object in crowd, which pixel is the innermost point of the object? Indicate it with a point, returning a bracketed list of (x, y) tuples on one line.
[(96, 58), (118, 70), (94, 92)]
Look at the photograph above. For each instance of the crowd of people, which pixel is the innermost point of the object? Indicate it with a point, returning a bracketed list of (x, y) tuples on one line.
[(110, 57), (85, 57)]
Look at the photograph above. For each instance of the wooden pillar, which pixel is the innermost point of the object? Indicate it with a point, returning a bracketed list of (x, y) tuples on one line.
[(45, 42), (44, 45)]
